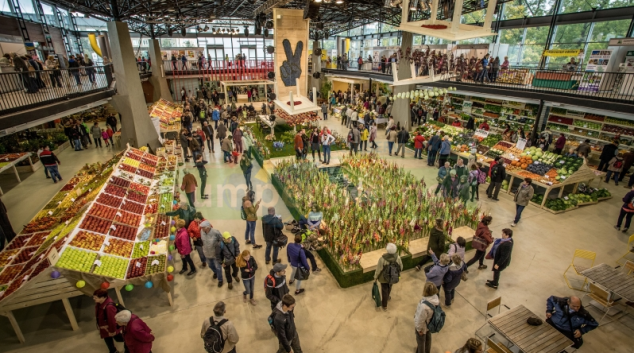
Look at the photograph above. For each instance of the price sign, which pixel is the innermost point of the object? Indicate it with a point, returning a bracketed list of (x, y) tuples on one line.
[(98, 263), (162, 223), (155, 262), (562, 162), (106, 243), (521, 144), (141, 246), (119, 214), (563, 178), (50, 213), (53, 256), (547, 177), (138, 264), (113, 227), (72, 199), (566, 198), (123, 201)]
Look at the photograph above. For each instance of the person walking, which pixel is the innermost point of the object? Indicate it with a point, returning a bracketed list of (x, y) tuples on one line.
[(284, 323), (275, 286), (247, 265), (354, 138), (189, 185), (202, 172), (627, 211), (418, 145), (324, 110), (184, 247), (326, 141), (105, 311), (39, 152), (194, 233), (246, 166), (51, 162), (297, 259), (424, 314), (433, 147), (221, 131), (560, 143), (523, 195), (615, 166), (452, 278), (105, 137), (136, 334), (237, 139), (402, 139), (95, 131), (250, 211), (365, 134), (498, 174), (112, 122), (227, 148), (445, 150), (226, 252), (228, 332), (568, 316), (211, 237), (373, 131), (437, 271), (271, 226), (501, 254), (607, 154), (389, 264), (473, 345), (184, 140), (476, 177), (209, 136), (392, 137), (298, 145), (481, 242)]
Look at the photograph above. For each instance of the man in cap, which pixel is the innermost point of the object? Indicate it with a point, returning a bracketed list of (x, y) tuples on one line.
[(275, 284), (211, 237), (227, 251)]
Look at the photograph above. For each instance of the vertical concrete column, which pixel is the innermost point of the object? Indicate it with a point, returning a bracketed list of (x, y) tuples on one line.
[(136, 127), (161, 90), (400, 109), (316, 60)]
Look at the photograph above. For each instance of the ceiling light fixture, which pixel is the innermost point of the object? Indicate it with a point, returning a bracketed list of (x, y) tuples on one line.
[(317, 0), (338, 2)]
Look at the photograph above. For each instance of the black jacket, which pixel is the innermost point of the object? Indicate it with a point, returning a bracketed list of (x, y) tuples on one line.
[(501, 173), (227, 252), (609, 151), (503, 255), (275, 288), (402, 136), (252, 265), (436, 241), (470, 124), (209, 132), (271, 226), (452, 278), (285, 326)]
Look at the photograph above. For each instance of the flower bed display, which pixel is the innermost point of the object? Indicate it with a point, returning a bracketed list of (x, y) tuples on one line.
[(391, 206)]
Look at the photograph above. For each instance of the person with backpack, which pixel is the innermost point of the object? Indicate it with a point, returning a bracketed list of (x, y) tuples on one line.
[(388, 271), (474, 181), (438, 270), (250, 215), (297, 259), (271, 226), (247, 166), (218, 333), (458, 248), (105, 311), (498, 174), (452, 278), (501, 254), (436, 242), (284, 325), (226, 253), (615, 166), (523, 195), (275, 287), (247, 265), (184, 247), (433, 146), (428, 317), (136, 334)]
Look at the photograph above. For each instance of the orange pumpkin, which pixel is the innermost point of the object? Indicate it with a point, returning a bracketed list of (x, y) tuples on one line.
[(524, 166), (529, 161)]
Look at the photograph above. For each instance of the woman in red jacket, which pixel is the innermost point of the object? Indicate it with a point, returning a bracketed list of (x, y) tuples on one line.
[(194, 233), (184, 247), (137, 335), (105, 311), (481, 242)]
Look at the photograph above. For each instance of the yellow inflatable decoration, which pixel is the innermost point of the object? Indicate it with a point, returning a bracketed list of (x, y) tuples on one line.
[(93, 43)]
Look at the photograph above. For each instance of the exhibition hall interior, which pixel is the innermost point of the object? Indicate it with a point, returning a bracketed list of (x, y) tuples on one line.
[(222, 176)]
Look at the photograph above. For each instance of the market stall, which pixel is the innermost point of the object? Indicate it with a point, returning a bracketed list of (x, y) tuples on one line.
[(104, 229), (10, 160), (167, 115)]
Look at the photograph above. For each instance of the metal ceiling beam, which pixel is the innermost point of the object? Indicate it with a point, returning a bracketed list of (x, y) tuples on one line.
[(269, 5)]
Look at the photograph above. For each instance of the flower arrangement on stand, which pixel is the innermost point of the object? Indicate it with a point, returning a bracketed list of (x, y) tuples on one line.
[(278, 145), (391, 205), (297, 119)]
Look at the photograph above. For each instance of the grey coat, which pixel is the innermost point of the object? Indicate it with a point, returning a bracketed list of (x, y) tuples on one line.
[(524, 195), (227, 252), (210, 241)]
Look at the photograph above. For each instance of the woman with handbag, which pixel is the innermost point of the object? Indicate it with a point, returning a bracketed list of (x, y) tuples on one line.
[(481, 242), (105, 310), (247, 265), (297, 258), (194, 234)]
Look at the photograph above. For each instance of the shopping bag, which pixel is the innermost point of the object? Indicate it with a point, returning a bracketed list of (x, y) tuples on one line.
[(376, 294)]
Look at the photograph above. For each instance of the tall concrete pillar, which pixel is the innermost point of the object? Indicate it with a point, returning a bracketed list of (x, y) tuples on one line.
[(136, 127), (316, 60), (400, 109), (161, 90)]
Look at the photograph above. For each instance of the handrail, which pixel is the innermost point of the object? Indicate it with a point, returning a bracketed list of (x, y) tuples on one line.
[(24, 90)]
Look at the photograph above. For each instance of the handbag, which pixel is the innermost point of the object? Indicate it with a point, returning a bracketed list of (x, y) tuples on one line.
[(302, 273), (479, 244), (376, 294)]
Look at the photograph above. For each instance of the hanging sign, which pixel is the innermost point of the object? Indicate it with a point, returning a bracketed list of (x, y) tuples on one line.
[(562, 52), (521, 144), (466, 107)]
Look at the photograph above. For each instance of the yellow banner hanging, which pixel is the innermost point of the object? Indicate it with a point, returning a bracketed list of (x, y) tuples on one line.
[(562, 52)]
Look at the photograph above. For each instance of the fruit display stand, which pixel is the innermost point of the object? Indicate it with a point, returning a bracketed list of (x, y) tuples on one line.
[(496, 112), (122, 241), (10, 160), (26, 275)]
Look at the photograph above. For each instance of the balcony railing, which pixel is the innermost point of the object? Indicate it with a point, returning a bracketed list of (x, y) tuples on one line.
[(30, 89), (221, 70), (608, 86)]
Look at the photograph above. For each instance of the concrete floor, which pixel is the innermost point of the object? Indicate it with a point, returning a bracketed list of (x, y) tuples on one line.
[(330, 318)]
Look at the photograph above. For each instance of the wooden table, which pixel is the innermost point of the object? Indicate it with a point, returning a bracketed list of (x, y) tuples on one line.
[(612, 280), (543, 339), (11, 164)]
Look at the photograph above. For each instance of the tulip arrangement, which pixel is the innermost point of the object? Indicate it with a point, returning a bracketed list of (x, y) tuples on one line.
[(297, 119), (391, 205)]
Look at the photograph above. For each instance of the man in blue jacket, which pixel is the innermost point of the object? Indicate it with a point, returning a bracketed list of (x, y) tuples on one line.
[(445, 150), (433, 146), (570, 318)]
